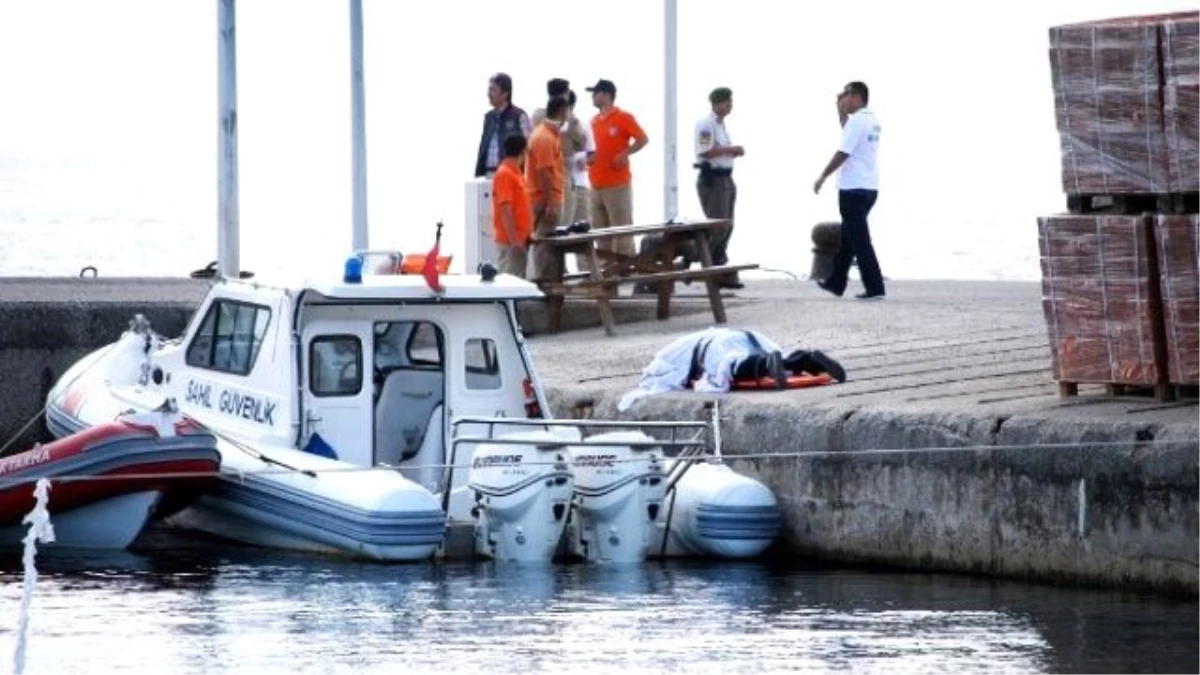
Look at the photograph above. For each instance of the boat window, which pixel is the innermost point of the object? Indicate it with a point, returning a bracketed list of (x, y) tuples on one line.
[(425, 346), (483, 366), (230, 337), (407, 344), (335, 365)]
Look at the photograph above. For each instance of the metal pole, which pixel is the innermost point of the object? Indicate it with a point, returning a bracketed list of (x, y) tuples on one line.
[(671, 114), (358, 114), (228, 264)]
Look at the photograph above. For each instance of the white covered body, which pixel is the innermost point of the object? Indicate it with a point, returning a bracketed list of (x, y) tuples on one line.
[(522, 493)]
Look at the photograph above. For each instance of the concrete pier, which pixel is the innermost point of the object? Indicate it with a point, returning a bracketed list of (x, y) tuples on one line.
[(947, 449)]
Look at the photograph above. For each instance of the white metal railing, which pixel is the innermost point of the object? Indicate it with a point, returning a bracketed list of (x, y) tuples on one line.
[(688, 450)]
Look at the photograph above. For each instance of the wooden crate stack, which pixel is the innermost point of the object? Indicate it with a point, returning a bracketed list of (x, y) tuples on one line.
[(1181, 101), (1101, 301), (1107, 108), (1119, 271), (1178, 244)]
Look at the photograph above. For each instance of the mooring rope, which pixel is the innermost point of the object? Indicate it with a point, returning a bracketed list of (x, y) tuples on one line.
[(41, 530), (6, 483)]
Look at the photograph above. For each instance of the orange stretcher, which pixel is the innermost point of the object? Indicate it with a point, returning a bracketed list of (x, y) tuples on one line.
[(793, 382)]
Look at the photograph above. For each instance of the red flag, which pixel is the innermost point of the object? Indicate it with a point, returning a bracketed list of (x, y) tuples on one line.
[(430, 271)]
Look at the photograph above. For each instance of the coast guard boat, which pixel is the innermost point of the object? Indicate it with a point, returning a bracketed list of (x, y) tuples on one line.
[(366, 417)]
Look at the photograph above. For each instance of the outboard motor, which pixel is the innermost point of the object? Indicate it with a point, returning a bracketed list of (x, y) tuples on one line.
[(522, 496), (619, 489)]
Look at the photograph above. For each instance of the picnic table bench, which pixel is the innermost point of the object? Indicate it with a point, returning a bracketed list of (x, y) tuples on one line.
[(656, 267)]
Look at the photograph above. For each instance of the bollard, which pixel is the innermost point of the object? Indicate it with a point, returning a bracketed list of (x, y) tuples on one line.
[(827, 238)]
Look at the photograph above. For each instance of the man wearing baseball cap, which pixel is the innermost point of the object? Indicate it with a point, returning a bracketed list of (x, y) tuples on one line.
[(617, 135)]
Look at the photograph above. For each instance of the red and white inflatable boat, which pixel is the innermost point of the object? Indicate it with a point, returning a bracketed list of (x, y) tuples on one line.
[(108, 481)]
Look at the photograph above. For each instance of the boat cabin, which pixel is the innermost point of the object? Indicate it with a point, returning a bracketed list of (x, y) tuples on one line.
[(368, 372)]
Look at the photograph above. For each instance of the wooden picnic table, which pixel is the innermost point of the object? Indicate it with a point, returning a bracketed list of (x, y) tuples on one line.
[(656, 267)]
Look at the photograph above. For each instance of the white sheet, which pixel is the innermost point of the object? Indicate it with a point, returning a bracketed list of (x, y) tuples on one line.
[(669, 370)]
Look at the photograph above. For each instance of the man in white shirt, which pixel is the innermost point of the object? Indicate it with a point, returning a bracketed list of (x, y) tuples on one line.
[(858, 187), (714, 158), (582, 148)]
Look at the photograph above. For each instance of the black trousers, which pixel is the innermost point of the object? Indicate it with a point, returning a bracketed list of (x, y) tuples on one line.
[(718, 195), (855, 205)]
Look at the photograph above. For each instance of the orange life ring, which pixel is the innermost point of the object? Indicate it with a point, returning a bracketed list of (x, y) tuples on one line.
[(793, 382)]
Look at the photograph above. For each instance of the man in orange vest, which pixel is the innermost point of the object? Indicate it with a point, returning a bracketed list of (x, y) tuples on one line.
[(545, 180), (617, 135), (512, 217)]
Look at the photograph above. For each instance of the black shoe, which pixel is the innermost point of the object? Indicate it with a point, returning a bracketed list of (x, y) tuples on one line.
[(823, 285), (814, 363), (871, 296), (796, 361), (828, 365), (732, 284)]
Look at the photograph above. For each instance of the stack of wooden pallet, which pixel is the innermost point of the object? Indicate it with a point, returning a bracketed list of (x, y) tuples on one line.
[(1119, 271), (1178, 244)]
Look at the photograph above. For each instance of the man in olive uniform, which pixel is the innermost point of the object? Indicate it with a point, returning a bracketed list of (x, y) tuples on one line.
[(714, 158)]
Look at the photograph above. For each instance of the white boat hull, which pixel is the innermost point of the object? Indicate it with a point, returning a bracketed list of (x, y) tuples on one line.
[(110, 524), (230, 520)]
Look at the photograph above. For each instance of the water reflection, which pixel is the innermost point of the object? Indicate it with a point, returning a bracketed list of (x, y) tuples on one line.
[(220, 609)]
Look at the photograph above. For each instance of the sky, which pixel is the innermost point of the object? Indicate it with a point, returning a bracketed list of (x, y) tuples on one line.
[(125, 91)]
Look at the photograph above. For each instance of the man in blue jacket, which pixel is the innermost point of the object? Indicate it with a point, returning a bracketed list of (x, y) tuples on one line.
[(500, 122)]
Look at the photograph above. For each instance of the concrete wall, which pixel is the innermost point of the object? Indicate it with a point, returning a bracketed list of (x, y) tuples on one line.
[(1089, 514), (46, 325)]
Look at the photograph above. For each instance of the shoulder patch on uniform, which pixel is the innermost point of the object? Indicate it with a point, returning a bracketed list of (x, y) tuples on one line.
[(706, 136)]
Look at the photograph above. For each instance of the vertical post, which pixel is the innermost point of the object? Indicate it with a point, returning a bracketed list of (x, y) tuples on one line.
[(228, 264), (358, 114), (671, 116)]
